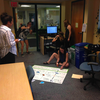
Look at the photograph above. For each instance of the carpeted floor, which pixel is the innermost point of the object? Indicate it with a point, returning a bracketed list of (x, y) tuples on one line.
[(71, 89)]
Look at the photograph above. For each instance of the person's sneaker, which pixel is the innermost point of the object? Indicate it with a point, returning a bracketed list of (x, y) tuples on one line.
[(22, 55), (28, 52)]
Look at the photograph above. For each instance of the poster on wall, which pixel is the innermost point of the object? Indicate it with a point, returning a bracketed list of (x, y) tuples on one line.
[(76, 25)]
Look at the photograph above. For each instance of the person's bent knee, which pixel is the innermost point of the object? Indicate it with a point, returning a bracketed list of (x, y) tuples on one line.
[(54, 53)]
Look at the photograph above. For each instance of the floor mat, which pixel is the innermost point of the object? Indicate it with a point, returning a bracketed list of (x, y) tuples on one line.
[(49, 74)]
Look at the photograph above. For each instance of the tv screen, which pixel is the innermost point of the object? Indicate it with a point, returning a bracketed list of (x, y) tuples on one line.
[(51, 29)]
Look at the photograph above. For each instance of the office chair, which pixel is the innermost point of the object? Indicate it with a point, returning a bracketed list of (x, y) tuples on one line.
[(55, 46), (90, 68), (47, 44), (50, 46), (30, 74)]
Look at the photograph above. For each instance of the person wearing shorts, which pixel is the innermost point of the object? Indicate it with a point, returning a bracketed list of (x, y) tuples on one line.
[(23, 37)]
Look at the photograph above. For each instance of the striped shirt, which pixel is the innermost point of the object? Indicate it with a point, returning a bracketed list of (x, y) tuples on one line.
[(7, 41)]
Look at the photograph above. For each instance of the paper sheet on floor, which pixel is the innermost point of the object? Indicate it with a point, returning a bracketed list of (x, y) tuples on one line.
[(49, 74), (76, 76)]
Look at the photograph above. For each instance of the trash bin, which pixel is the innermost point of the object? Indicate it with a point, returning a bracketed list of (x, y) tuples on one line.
[(80, 54), (72, 52)]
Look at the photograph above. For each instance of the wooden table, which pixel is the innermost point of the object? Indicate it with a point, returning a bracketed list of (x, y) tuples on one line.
[(14, 84)]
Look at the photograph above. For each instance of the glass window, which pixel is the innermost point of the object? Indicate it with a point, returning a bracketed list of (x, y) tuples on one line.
[(25, 14), (48, 15)]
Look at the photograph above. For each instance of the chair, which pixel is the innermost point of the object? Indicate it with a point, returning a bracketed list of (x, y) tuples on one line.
[(50, 47), (47, 45), (55, 46), (30, 74), (90, 68)]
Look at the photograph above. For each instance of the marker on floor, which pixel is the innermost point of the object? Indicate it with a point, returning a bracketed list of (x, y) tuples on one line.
[(41, 82)]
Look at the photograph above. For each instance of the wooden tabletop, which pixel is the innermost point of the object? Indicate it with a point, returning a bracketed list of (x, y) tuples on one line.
[(14, 84)]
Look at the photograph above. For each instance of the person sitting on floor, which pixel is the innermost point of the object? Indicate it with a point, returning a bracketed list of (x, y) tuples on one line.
[(62, 58), (59, 39)]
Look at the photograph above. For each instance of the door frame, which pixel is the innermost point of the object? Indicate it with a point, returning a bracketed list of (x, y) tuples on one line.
[(35, 4), (83, 12)]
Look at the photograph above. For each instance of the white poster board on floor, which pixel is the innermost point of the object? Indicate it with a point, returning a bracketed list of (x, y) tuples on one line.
[(49, 74)]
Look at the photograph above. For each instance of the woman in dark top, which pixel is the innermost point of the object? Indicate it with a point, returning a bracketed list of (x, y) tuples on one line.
[(59, 39), (62, 58), (67, 33)]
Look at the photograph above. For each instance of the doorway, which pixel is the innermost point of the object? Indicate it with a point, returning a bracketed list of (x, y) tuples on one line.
[(25, 14), (41, 16), (77, 19)]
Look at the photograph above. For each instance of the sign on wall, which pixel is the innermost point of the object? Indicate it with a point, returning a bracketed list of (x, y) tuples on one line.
[(14, 4)]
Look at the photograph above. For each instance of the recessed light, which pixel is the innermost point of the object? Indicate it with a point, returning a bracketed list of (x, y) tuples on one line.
[(25, 5), (58, 6)]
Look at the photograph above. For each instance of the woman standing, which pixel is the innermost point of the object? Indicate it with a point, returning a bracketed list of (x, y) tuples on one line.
[(23, 37), (67, 33), (7, 40)]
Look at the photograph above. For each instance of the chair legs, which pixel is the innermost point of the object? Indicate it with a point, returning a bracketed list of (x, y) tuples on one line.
[(92, 80)]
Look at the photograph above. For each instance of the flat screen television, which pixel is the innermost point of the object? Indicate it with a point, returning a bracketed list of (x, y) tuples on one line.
[(51, 30)]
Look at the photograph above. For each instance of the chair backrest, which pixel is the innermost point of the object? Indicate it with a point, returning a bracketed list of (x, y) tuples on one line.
[(30, 72)]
